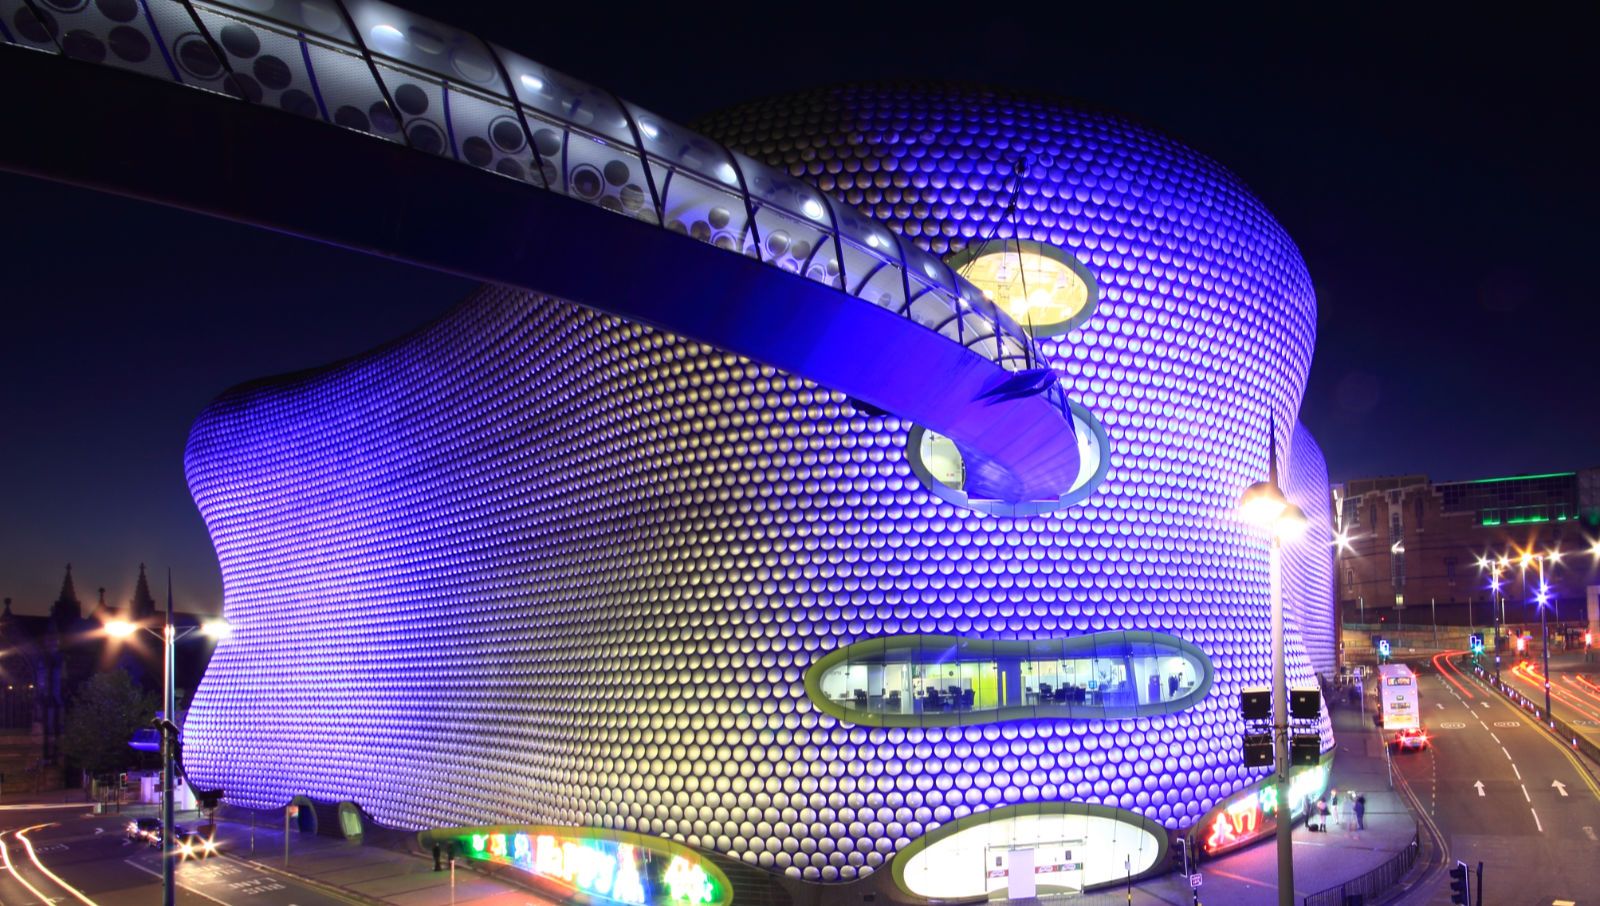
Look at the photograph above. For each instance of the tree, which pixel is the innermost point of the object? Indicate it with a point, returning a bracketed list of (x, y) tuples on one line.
[(103, 716)]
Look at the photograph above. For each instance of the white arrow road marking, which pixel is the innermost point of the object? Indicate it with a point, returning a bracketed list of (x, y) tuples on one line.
[(1479, 785), (1440, 705), (1590, 832), (1560, 788)]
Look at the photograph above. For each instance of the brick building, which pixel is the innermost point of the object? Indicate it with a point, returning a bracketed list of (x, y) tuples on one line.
[(1411, 546)]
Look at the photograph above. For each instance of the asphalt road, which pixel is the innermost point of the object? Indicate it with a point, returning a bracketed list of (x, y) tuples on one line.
[(79, 858), (1501, 791), (1574, 694)]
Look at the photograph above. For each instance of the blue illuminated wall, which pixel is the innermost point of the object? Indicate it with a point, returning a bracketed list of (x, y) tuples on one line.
[(534, 564)]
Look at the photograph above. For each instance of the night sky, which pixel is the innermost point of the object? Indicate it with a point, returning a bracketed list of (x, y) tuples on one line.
[(1439, 177)]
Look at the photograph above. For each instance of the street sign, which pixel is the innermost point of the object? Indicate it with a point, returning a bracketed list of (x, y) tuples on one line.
[(292, 811), (1194, 881)]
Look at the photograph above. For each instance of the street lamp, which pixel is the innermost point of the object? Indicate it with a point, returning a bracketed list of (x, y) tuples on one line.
[(212, 629), (1264, 506)]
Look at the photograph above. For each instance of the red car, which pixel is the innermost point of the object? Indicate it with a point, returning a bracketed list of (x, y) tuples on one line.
[(1411, 738)]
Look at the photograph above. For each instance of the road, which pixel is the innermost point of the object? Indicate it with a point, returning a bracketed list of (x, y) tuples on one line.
[(56, 854), (1574, 695), (1501, 791)]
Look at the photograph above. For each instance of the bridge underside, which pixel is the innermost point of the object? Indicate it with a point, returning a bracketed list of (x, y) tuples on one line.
[(118, 132)]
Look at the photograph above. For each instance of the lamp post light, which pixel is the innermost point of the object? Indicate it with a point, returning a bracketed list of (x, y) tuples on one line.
[(1264, 506), (169, 636)]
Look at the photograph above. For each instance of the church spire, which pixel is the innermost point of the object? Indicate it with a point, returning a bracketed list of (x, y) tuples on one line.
[(67, 608), (143, 604)]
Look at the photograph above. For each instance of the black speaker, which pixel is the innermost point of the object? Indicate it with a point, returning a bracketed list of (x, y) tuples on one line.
[(1305, 750), (1305, 704), (1257, 750), (1255, 704)]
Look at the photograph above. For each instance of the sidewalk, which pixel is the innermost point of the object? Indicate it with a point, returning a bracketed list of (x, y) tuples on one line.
[(1321, 860), (369, 874)]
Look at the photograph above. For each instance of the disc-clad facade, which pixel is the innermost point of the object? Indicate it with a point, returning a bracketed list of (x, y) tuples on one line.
[(533, 564)]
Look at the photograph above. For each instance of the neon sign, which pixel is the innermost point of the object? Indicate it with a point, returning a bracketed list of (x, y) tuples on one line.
[(1254, 814), (604, 867)]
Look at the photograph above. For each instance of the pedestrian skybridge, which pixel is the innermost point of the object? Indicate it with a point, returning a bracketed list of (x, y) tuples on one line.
[(363, 125)]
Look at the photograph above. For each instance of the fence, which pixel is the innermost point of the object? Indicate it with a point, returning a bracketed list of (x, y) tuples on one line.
[(1370, 885)]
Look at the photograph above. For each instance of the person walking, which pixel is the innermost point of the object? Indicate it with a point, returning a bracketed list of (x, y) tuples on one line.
[(1361, 813), (1333, 807), (1322, 815)]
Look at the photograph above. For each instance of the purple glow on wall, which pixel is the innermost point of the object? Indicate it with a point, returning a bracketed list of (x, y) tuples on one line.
[(534, 564)]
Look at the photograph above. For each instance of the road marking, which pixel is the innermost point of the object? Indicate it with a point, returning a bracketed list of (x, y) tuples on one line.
[(1507, 724), (189, 887), (1519, 773), (1536, 822), (1452, 725), (1508, 754), (1560, 787), (1525, 792), (1483, 725), (1495, 736), (1589, 831), (1472, 712), (1479, 785)]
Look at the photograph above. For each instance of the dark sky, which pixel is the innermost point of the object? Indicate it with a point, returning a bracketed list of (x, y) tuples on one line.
[(1439, 176)]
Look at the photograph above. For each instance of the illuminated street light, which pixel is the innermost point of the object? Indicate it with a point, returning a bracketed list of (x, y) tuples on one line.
[(1262, 503), (1264, 506), (212, 629)]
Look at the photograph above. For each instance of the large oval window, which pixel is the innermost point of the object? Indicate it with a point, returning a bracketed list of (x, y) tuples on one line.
[(1041, 287), (1037, 849), (937, 462), (942, 680)]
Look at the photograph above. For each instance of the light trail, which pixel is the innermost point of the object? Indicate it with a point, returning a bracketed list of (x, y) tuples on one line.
[(1529, 674), (1441, 663), (34, 858), (5, 854)]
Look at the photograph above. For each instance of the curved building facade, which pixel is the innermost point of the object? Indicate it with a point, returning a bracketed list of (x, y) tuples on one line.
[(534, 564)]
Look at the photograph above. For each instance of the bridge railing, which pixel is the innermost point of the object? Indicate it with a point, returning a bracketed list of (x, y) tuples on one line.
[(375, 68)]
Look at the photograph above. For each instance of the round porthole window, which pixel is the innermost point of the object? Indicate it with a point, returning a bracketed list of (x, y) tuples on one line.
[(936, 460), (1041, 287)]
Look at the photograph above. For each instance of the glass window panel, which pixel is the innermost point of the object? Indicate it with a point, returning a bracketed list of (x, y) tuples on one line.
[(608, 175), (350, 93), (701, 210), (565, 98), (321, 17), (769, 186), (884, 286), (792, 244), (934, 313), (422, 108), (441, 49), (683, 148)]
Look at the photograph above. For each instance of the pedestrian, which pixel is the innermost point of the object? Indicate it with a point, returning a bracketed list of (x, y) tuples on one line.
[(1334, 805), (1322, 815), (1361, 813)]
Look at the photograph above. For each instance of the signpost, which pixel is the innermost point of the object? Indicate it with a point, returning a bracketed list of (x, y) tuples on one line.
[(288, 813)]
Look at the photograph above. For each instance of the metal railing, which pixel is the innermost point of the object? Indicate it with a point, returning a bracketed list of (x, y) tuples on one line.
[(374, 68), (1371, 885)]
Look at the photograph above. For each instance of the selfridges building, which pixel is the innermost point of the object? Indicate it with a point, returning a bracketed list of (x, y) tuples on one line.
[(659, 622)]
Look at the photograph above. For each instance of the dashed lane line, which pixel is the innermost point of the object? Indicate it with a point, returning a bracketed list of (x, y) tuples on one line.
[(1536, 822)]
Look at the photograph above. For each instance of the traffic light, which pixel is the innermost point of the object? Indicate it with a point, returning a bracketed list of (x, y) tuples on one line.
[(1460, 887)]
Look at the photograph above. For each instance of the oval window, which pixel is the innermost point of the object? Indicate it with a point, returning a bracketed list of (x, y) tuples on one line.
[(937, 462), (942, 680), (1041, 287), (1061, 848)]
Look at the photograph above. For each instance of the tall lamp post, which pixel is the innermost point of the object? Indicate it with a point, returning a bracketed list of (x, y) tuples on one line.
[(1264, 505), (122, 629)]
